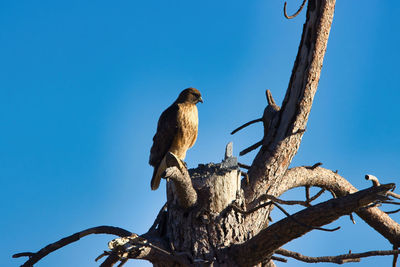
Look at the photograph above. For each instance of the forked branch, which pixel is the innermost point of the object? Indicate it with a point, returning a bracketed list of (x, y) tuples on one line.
[(262, 245), (324, 178), (37, 256)]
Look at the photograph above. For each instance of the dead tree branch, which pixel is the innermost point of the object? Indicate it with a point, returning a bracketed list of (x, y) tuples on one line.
[(35, 257), (297, 12), (178, 173), (148, 247), (375, 182), (270, 203), (251, 148), (324, 178), (262, 245), (245, 125), (281, 144), (112, 259), (288, 202), (339, 259), (392, 212)]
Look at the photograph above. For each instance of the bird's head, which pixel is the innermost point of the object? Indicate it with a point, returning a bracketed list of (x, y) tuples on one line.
[(191, 95)]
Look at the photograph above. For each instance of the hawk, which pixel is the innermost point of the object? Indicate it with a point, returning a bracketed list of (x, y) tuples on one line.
[(176, 131)]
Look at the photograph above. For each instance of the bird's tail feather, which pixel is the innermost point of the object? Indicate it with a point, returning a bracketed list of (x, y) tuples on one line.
[(155, 181), (157, 174)]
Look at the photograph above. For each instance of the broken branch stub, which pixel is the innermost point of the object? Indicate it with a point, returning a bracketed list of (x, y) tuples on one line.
[(217, 186)]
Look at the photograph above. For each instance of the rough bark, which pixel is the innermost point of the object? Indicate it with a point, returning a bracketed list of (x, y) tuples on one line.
[(285, 135), (286, 130), (210, 224)]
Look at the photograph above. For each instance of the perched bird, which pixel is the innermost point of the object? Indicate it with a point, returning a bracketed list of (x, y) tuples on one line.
[(176, 131)]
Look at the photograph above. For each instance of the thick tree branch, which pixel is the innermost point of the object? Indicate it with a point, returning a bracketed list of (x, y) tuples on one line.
[(377, 219), (35, 257), (339, 259), (284, 139), (184, 191), (178, 173), (261, 246)]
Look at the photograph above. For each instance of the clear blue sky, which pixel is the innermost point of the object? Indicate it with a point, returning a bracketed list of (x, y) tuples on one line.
[(82, 84)]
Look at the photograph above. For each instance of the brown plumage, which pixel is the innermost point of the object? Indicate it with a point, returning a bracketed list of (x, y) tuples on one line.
[(176, 131)]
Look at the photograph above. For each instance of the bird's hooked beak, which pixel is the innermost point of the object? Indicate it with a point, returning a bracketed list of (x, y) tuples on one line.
[(201, 99)]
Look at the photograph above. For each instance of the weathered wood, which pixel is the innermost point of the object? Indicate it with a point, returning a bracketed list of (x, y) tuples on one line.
[(377, 219), (285, 133), (210, 225), (262, 245)]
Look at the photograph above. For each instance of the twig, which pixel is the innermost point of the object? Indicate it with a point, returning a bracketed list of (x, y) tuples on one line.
[(390, 202), (290, 202), (244, 166), (35, 257), (394, 264), (339, 259), (352, 218), (393, 211), (245, 125), (122, 263), (333, 193), (148, 244), (307, 193), (276, 258), (317, 195), (284, 202), (313, 166), (246, 212), (112, 259), (250, 148), (23, 254), (393, 194), (276, 200), (295, 14), (105, 253), (303, 224)]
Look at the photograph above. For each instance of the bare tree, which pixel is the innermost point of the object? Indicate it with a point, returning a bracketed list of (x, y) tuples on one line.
[(218, 214)]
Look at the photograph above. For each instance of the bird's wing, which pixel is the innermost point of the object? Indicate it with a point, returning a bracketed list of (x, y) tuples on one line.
[(166, 130)]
